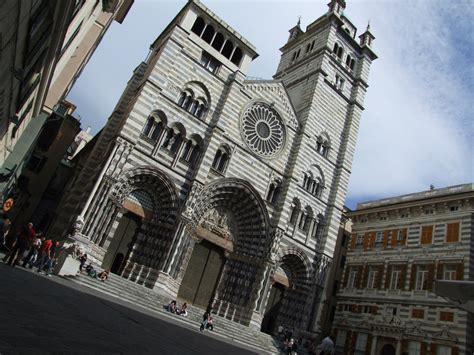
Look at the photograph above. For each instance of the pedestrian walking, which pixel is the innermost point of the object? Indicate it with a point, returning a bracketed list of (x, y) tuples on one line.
[(32, 255), (327, 345), (4, 226), (22, 243), (205, 319), (44, 254)]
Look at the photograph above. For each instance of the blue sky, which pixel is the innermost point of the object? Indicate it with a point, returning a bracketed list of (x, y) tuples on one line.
[(417, 128)]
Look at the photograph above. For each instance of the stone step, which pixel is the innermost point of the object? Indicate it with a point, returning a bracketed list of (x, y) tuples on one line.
[(140, 295), (194, 316)]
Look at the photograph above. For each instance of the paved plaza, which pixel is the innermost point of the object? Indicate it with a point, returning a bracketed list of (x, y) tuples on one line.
[(41, 315)]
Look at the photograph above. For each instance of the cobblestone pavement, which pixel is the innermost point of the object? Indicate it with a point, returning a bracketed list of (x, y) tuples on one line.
[(43, 315)]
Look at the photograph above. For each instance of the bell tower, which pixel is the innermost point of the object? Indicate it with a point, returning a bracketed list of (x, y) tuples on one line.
[(325, 71)]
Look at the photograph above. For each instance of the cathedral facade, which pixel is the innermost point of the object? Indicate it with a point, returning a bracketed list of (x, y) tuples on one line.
[(222, 191)]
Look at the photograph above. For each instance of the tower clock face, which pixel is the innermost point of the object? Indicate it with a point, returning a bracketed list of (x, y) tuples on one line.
[(263, 130)]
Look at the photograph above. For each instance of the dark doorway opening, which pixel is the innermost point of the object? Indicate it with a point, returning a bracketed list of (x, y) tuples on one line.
[(122, 242), (269, 324), (388, 349)]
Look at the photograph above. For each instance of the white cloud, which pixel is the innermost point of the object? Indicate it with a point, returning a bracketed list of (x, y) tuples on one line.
[(417, 127)]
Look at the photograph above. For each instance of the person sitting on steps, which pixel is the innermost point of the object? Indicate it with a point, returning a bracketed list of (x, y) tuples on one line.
[(104, 275), (91, 271), (183, 310), (171, 307), (210, 323)]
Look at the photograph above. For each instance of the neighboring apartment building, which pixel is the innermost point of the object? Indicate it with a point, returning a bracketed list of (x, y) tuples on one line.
[(399, 246), (223, 191), (51, 148), (44, 46)]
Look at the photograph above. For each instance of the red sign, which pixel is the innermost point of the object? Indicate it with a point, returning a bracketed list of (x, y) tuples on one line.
[(7, 206)]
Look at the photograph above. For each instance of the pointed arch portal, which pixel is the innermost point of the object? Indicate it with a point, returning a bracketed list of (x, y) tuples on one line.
[(230, 222)]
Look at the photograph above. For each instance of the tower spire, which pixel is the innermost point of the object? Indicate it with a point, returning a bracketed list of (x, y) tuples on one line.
[(367, 37)]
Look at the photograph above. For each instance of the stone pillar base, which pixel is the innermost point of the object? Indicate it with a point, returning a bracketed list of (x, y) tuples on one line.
[(166, 285), (68, 263)]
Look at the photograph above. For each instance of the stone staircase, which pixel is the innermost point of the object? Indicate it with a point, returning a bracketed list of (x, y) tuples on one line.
[(137, 294)]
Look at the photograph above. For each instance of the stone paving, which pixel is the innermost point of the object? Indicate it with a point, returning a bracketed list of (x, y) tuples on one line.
[(43, 315)]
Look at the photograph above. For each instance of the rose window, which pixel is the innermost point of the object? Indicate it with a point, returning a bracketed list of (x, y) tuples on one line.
[(263, 130)]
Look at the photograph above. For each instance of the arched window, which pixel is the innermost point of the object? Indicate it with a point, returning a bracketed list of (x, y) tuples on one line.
[(157, 131), (339, 52), (308, 217), (149, 125), (323, 144), (195, 154), (192, 149), (188, 148), (295, 211), (237, 56), (154, 125), (335, 48), (193, 107), (302, 220), (218, 42), (274, 191), (186, 99), (305, 179), (208, 34), (348, 60), (221, 159), (168, 138), (198, 26), (228, 49), (200, 110), (317, 227), (313, 181), (182, 98), (176, 142), (194, 98)]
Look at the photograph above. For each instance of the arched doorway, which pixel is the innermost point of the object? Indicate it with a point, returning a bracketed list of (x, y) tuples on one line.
[(230, 215), (388, 349), (135, 223), (202, 274), (286, 305), (122, 242), (269, 323)]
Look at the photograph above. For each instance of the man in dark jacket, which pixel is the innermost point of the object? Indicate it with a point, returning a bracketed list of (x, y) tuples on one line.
[(23, 241)]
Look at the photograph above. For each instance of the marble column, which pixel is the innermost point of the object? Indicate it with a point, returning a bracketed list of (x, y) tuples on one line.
[(373, 349), (399, 347)]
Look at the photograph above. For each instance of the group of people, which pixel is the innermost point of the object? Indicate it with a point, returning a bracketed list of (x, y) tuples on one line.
[(207, 320), (292, 344), (90, 270), (29, 247), (173, 308)]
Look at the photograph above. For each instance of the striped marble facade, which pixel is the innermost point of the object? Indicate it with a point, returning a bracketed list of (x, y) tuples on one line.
[(176, 137)]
